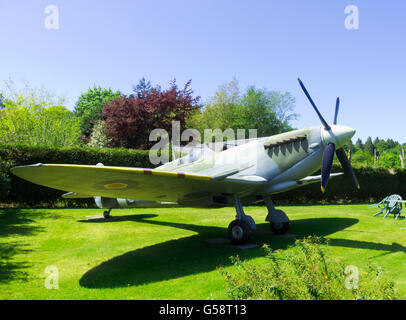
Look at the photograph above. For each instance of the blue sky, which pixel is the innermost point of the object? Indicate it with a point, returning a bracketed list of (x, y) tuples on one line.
[(267, 43)]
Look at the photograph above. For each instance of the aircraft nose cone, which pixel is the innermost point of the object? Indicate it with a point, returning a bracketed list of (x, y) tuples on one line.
[(339, 135), (342, 134)]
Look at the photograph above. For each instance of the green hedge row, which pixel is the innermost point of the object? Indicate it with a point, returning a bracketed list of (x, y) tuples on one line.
[(375, 183), (16, 190)]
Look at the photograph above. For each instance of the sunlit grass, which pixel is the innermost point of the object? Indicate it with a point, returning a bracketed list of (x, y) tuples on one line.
[(162, 253)]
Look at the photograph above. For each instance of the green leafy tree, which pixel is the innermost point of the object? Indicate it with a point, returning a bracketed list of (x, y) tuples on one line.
[(267, 111), (392, 144), (389, 161), (220, 111), (99, 138), (89, 107), (362, 158), (369, 146), (359, 145), (37, 117), (2, 106)]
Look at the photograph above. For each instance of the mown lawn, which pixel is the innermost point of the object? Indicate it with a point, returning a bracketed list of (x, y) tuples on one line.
[(162, 253)]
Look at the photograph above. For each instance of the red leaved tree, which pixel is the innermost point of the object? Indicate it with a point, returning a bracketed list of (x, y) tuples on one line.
[(129, 120)]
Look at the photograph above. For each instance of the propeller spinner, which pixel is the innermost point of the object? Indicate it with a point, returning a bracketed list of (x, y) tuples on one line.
[(333, 136)]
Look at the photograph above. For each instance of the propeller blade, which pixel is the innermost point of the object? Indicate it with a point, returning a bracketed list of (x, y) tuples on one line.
[(325, 124), (327, 162), (345, 163), (336, 113)]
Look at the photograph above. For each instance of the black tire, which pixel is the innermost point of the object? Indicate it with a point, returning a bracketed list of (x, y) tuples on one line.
[(238, 232), (279, 228), (106, 214)]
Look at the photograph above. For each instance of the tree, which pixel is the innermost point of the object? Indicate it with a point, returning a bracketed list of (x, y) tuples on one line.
[(141, 88), (129, 120), (363, 158), (392, 144), (349, 149), (37, 117), (2, 106), (369, 146), (99, 138), (390, 161), (220, 111), (267, 111), (359, 144), (89, 107)]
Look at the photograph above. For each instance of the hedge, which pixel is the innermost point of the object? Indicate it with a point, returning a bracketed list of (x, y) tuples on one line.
[(375, 183)]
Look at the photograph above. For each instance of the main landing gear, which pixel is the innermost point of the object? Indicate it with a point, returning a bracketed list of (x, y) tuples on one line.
[(106, 214), (240, 229), (278, 220)]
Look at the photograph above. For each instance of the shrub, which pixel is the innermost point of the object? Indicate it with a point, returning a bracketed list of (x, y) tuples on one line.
[(99, 138), (376, 184), (304, 272)]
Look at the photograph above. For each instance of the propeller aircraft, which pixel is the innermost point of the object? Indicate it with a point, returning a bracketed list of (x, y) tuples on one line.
[(265, 166)]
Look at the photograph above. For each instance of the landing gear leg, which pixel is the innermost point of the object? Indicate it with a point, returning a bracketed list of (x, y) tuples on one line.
[(278, 220), (240, 229), (106, 214)]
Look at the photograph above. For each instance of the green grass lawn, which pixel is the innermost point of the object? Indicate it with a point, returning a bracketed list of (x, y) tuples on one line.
[(162, 253)]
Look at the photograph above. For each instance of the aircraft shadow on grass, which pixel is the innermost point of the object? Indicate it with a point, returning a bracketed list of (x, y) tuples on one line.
[(192, 255), (15, 222)]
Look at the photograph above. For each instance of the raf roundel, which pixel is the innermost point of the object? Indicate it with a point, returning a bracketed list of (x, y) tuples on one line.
[(116, 186)]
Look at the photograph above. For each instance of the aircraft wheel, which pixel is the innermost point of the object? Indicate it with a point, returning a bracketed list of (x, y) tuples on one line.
[(279, 227), (238, 232), (106, 214)]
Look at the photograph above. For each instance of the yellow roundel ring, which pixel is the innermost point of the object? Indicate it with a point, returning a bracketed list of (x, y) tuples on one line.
[(115, 186)]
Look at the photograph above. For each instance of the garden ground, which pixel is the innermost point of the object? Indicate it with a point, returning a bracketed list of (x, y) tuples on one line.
[(162, 253)]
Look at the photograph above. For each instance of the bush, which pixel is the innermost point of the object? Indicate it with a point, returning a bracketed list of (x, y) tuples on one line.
[(305, 272), (99, 138), (376, 184), (24, 192)]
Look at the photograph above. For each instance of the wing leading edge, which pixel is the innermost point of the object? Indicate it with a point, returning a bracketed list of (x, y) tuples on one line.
[(121, 182)]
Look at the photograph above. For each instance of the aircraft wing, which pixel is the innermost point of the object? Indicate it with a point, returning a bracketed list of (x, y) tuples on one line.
[(74, 195), (312, 179), (293, 184), (121, 182)]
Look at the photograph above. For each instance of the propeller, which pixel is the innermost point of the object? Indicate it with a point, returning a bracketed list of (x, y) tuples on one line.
[(337, 108), (328, 153)]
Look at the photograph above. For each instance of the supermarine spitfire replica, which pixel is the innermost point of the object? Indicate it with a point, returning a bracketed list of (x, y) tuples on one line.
[(265, 166)]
